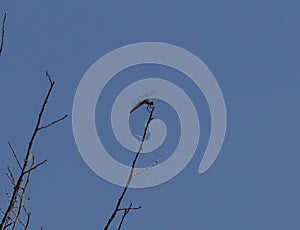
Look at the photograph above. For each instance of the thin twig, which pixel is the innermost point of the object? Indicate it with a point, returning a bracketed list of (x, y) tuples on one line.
[(6, 226), (15, 155), (49, 78), (11, 211), (150, 166), (10, 176), (27, 221), (21, 197), (35, 166), (151, 110), (130, 208), (24, 171), (24, 207), (53, 122), (3, 32), (126, 211)]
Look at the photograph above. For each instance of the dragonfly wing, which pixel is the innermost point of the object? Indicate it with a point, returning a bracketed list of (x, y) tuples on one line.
[(146, 95), (137, 105)]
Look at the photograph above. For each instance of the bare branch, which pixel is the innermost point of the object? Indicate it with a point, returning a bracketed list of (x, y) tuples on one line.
[(130, 208), (3, 32), (21, 203), (24, 206), (150, 166), (10, 176), (35, 166), (27, 221), (126, 211), (15, 155), (151, 110), (49, 78), (24, 169), (53, 122), (7, 225)]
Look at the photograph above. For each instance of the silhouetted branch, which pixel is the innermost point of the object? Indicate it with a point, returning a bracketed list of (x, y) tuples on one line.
[(150, 166), (3, 33), (151, 110), (34, 167), (126, 211), (130, 208), (27, 221), (16, 201), (6, 226), (49, 78), (123, 216), (15, 155), (10, 176), (53, 122), (21, 200)]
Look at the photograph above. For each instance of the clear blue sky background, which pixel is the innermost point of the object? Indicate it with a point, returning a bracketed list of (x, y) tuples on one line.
[(252, 48)]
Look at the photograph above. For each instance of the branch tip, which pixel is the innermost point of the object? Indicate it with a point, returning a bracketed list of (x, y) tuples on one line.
[(49, 78), (3, 32)]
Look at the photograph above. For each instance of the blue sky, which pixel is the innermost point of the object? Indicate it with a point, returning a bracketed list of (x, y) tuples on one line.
[(251, 47)]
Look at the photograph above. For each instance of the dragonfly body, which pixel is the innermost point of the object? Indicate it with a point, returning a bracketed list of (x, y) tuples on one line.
[(146, 101)]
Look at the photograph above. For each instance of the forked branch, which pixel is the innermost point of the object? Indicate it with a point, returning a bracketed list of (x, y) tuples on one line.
[(126, 211), (11, 216), (117, 208)]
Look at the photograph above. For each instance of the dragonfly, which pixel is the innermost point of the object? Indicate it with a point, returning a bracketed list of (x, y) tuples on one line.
[(144, 99)]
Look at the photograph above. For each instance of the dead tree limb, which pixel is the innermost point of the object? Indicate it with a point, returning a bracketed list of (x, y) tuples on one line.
[(21, 199), (3, 33), (117, 208), (126, 211), (16, 201), (148, 167), (15, 155)]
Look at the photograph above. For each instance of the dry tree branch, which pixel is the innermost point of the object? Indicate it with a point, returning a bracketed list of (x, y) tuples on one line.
[(148, 167), (25, 170), (21, 198), (126, 211), (129, 208), (8, 225), (3, 32), (124, 215), (35, 166), (10, 176), (151, 110), (53, 122), (27, 221), (15, 155)]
